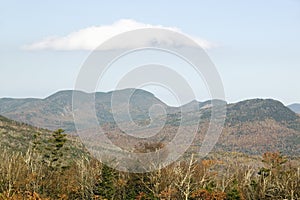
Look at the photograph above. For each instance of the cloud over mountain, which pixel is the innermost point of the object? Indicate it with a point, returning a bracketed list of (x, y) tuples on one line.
[(91, 37)]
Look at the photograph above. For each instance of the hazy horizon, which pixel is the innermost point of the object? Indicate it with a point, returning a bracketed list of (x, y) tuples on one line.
[(254, 45)]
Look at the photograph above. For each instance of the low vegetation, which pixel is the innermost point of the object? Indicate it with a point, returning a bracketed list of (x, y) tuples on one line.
[(32, 175)]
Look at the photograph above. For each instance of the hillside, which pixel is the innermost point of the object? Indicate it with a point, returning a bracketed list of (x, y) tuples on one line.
[(252, 126), (20, 137)]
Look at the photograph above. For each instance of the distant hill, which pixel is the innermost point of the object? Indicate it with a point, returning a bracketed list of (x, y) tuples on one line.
[(252, 126), (295, 107)]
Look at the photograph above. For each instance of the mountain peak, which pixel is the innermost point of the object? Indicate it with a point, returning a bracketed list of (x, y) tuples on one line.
[(260, 110)]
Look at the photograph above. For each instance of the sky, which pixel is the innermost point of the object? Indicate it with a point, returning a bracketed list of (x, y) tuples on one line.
[(254, 45)]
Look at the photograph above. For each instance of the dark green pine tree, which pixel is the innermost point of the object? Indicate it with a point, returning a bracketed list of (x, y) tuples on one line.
[(54, 153), (106, 187)]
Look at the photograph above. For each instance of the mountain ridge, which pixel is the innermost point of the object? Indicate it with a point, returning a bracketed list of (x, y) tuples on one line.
[(270, 122), (60, 103)]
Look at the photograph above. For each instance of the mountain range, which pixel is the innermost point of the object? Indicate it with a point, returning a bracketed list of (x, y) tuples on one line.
[(252, 126)]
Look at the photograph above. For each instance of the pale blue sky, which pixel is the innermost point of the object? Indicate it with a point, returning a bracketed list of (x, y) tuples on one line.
[(257, 53)]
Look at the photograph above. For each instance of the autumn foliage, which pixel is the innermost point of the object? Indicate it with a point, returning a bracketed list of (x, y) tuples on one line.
[(275, 177)]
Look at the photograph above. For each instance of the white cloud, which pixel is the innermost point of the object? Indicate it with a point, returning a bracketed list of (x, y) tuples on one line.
[(90, 38)]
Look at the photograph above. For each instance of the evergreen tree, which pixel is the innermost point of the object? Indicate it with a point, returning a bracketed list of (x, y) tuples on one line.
[(54, 151), (106, 187)]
